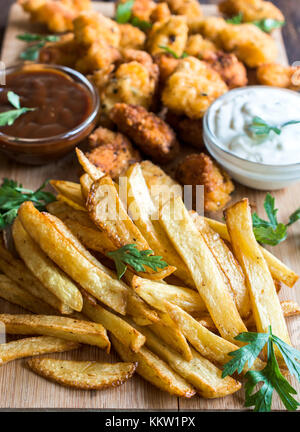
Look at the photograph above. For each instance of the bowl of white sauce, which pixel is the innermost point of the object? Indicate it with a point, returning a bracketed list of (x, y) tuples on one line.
[(254, 133)]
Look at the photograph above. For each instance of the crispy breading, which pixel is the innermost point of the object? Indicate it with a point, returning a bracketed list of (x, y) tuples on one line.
[(192, 88), (90, 27), (57, 15), (141, 9), (251, 10), (112, 152), (161, 12), (199, 169), (189, 8), (63, 52), (171, 33), (188, 131), (167, 65), (131, 37), (249, 43), (273, 74), (142, 57), (209, 27), (151, 134), (232, 71), (198, 46)]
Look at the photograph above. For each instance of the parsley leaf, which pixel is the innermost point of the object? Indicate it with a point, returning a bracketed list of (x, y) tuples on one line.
[(237, 19), (260, 127), (7, 118), (173, 53), (129, 254), (12, 195), (32, 52), (268, 24), (141, 24), (124, 15)]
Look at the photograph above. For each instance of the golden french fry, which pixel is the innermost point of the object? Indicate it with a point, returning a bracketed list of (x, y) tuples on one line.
[(144, 214), (50, 276), (72, 260), (94, 172), (200, 372), (278, 269), (15, 294), (155, 370), (123, 331), (15, 270), (290, 308), (207, 322), (86, 183), (139, 310), (201, 263), (34, 346), (70, 203), (69, 190), (85, 375), (265, 303), (107, 211), (227, 262), (155, 293), (63, 211), (56, 326)]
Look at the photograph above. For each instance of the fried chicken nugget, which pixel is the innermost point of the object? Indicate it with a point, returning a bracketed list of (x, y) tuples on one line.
[(167, 65), (188, 131), (97, 56), (161, 12), (250, 44), (198, 46), (192, 88), (63, 52), (251, 10), (231, 70), (57, 15), (209, 27), (273, 74), (112, 152), (171, 33), (90, 27), (131, 37), (189, 8), (142, 9), (151, 134), (199, 169)]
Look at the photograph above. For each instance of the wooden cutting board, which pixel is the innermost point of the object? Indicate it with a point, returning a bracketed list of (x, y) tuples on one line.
[(20, 388)]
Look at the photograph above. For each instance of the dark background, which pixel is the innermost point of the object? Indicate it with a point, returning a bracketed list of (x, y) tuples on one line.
[(291, 32)]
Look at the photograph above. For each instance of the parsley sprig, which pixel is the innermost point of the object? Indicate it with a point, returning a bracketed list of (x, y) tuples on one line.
[(7, 118), (270, 376), (12, 195), (237, 19), (130, 255), (36, 43), (173, 53), (259, 127), (265, 24), (271, 231), (124, 15)]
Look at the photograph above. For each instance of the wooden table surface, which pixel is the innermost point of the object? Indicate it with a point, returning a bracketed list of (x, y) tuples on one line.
[(291, 31)]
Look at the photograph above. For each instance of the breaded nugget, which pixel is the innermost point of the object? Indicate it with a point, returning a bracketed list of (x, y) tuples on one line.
[(171, 33), (198, 46), (63, 52), (141, 9), (161, 12), (199, 169), (131, 37), (273, 74), (142, 57), (112, 152), (250, 44), (251, 10), (90, 27), (232, 71), (209, 27), (151, 134), (97, 56), (57, 15), (189, 8), (167, 65), (192, 88), (188, 131)]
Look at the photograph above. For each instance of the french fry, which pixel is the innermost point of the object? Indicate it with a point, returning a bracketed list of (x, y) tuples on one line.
[(265, 303), (71, 260), (34, 346), (85, 183), (94, 172), (50, 276), (140, 311), (200, 372), (107, 211), (201, 263), (69, 190), (13, 293), (84, 375), (63, 211), (278, 269), (227, 262), (155, 370), (290, 308), (65, 328), (18, 272), (70, 203), (123, 331), (142, 211)]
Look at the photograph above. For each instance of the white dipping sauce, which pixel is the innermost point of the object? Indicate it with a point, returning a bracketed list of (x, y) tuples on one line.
[(236, 111)]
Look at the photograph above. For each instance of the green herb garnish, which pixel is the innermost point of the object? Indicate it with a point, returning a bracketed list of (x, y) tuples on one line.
[(32, 52), (237, 19), (130, 255), (268, 24), (12, 195), (124, 15), (7, 118), (173, 53), (261, 128), (270, 231), (270, 376)]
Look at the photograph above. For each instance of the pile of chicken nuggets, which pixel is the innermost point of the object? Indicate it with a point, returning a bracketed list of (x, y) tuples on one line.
[(157, 70)]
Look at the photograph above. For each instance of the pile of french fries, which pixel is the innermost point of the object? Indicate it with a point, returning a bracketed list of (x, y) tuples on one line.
[(175, 326)]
